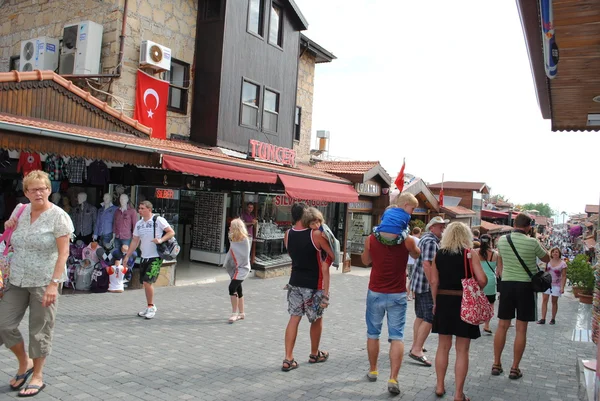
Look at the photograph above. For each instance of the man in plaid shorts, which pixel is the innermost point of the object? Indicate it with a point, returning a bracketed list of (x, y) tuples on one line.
[(429, 245)]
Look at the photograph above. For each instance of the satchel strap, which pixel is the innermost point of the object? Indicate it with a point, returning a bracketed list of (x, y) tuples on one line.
[(518, 256), (467, 263)]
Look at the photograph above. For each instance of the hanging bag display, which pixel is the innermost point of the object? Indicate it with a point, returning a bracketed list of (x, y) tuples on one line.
[(6, 254), (474, 308), (540, 281)]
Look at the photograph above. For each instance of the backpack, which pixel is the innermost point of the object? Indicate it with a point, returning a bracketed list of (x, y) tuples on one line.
[(167, 250), (100, 278)]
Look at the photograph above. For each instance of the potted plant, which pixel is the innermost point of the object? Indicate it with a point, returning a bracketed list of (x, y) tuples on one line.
[(581, 275), (574, 270)]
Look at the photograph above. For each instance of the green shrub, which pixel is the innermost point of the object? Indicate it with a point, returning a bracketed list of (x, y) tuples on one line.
[(580, 273)]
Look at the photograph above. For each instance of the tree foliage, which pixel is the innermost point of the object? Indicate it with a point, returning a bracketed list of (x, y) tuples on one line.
[(544, 209)]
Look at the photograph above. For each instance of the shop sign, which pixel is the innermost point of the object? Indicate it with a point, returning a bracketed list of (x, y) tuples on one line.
[(361, 205), (162, 193), (369, 188), (284, 200), (420, 210), (271, 153)]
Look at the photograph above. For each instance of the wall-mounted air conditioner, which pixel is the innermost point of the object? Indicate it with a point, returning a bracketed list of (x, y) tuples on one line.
[(81, 49), (39, 54), (155, 56)]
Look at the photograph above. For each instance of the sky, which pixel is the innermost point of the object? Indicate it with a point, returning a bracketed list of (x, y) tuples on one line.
[(448, 87)]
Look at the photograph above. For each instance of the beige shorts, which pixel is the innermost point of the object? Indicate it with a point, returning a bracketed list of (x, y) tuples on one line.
[(41, 319)]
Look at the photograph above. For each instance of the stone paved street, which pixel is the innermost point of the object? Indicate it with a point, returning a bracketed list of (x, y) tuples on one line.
[(103, 351)]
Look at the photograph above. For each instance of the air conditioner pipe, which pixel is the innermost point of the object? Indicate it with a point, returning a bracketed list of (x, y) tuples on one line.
[(121, 52)]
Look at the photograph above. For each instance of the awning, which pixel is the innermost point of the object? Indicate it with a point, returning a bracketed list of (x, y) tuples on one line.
[(309, 189), (217, 170)]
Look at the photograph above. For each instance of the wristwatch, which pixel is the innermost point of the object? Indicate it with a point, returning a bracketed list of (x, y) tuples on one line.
[(55, 280)]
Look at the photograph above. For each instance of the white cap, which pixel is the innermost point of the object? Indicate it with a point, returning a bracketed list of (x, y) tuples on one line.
[(436, 220)]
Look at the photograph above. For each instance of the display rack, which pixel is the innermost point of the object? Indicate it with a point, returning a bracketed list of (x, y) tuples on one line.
[(208, 235)]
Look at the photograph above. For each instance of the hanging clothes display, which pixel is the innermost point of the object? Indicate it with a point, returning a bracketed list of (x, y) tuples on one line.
[(29, 162), (98, 173), (76, 171), (56, 169)]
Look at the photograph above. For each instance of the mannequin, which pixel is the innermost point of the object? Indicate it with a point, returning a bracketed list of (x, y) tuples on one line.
[(116, 273), (91, 252), (84, 218), (124, 222), (55, 198), (66, 204), (104, 222)]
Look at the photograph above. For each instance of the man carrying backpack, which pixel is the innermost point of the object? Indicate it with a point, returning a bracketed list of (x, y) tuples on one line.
[(148, 233)]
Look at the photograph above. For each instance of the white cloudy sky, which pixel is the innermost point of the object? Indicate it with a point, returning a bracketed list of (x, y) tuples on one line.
[(448, 86)]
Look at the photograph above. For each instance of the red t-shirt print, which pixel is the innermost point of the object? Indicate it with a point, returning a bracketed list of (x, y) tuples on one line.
[(29, 162)]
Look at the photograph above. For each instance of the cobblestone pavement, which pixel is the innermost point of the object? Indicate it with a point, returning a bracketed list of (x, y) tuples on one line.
[(103, 351)]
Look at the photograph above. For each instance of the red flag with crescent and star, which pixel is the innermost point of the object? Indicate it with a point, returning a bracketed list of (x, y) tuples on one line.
[(151, 96)]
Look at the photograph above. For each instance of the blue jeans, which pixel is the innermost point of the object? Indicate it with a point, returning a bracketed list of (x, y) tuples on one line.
[(120, 242), (105, 240), (378, 305)]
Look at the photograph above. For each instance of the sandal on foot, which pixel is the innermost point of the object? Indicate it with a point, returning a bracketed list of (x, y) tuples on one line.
[(420, 359), (464, 398), (487, 331), (32, 387), (233, 318), (440, 395), (541, 321), (241, 316), (23, 377), (291, 365), (552, 321), (515, 373), (321, 356), (497, 370)]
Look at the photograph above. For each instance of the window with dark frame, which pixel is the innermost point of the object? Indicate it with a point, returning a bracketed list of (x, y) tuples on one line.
[(270, 111), (256, 17), (275, 25), (250, 104), (179, 82), (297, 123), (14, 64)]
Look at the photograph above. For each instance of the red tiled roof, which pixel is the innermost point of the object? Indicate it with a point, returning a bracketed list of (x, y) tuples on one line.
[(184, 149), (590, 243), (37, 75), (489, 226), (473, 186), (346, 167), (591, 208), (459, 210), (540, 220)]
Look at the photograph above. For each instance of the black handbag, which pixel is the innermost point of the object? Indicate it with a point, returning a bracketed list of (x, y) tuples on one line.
[(540, 281)]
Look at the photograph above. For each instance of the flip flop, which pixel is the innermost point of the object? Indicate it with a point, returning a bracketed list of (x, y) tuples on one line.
[(32, 387), (23, 377), (420, 359)]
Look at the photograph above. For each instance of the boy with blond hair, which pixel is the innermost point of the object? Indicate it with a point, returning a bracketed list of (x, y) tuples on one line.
[(313, 219)]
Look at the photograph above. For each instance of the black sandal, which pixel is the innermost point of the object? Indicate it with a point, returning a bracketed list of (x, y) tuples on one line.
[(320, 357), (291, 365), (515, 373), (23, 377), (497, 370)]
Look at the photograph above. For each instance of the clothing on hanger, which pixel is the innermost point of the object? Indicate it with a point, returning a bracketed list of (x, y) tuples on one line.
[(29, 162), (76, 171)]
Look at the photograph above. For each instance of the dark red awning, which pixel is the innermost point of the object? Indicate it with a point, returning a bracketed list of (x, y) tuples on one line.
[(217, 170), (310, 189)]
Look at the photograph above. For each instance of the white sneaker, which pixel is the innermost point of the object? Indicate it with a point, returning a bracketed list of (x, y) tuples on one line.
[(151, 312), (145, 312)]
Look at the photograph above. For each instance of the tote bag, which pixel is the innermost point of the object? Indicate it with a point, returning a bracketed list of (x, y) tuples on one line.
[(6, 253), (474, 308)]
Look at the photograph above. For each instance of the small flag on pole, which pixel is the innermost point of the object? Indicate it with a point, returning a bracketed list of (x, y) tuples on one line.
[(400, 179), (441, 200)]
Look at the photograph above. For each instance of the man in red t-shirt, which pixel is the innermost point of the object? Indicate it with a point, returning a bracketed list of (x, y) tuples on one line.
[(388, 252)]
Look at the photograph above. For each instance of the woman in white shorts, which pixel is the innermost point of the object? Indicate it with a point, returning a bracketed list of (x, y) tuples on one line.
[(558, 269)]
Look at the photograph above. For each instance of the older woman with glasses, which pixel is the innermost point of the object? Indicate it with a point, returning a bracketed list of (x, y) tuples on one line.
[(41, 247)]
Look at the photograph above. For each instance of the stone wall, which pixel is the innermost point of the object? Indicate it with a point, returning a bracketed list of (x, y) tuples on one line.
[(171, 23), (304, 99)]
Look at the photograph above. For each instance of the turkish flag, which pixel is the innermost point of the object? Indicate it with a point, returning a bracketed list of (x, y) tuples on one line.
[(151, 97), (400, 179), (441, 198)]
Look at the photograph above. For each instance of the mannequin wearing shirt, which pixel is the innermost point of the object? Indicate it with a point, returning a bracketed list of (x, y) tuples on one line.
[(105, 221), (84, 219), (116, 273), (66, 204), (124, 222)]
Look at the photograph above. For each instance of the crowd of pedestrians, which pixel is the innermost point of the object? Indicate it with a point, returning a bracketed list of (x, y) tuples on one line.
[(425, 267)]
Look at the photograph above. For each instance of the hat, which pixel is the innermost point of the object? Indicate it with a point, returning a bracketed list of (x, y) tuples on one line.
[(436, 220)]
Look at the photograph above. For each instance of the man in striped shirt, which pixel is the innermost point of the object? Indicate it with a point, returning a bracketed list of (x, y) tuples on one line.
[(516, 291)]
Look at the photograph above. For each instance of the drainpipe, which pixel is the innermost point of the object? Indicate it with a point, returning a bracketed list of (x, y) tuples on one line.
[(117, 74)]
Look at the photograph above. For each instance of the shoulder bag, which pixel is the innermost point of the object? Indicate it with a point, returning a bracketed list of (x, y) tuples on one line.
[(169, 249), (540, 281), (6, 254), (475, 308)]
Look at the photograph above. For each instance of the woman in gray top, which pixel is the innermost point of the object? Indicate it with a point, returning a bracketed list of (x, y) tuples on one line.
[(237, 263), (41, 248)]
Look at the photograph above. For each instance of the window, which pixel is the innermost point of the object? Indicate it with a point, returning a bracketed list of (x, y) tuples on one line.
[(271, 111), (211, 10), (275, 34), (250, 104), (256, 10), (14, 63), (297, 123), (179, 81)]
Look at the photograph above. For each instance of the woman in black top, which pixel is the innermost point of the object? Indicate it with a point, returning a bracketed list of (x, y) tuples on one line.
[(446, 288)]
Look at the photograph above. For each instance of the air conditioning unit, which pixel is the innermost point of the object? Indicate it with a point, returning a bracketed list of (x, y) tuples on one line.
[(155, 56), (39, 54), (81, 49)]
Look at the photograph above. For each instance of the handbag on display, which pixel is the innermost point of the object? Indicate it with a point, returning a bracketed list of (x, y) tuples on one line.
[(540, 281), (6, 254), (475, 308)]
